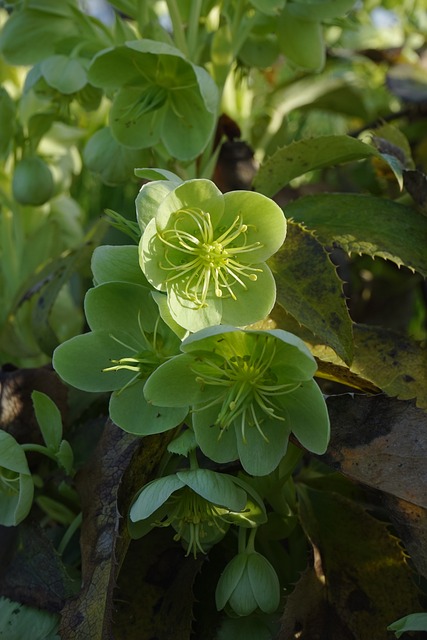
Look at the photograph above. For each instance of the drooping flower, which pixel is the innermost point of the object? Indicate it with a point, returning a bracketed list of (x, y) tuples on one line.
[(199, 504), (127, 341), (248, 390), (207, 251)]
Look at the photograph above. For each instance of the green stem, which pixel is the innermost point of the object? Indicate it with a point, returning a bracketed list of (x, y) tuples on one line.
[(178, 30), (250, 547), (241, 545), (39, 448), (193, 28), (70, 532), (193, 460)]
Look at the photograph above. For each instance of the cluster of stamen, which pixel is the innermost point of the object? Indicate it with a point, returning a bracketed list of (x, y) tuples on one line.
[(247, 387), (191, 515), (142, 362), (199, 261)]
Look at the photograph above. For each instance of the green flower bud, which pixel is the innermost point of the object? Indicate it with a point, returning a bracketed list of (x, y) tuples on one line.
[(248, 583), (32, 182)]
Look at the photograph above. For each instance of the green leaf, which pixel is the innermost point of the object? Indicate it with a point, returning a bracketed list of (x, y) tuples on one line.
[(310, 290), (7, 122), (365, 224), (65, 456), (49, 419), (302, 156), (413, 622), (19, 622)]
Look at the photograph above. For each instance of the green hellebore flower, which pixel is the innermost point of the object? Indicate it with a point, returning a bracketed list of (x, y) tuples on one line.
[(248, 582), (199, 504), (127, 341), (207, 250), (160, 97), (248, 390), (16, 482)]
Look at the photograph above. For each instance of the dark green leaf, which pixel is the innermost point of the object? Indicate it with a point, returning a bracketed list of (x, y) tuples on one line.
[(310, 290), (306, 155), (365, 224)]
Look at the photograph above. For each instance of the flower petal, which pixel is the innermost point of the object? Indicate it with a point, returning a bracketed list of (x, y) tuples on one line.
[(265, 219), (253, 303), (153, 495), (117, 264), (218, 445), (217, 488), (132, 413), (308, 416), (80, 361), (258, 457)]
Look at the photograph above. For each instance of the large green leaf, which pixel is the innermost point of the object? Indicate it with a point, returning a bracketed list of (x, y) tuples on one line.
[(310, 290), (366, 224), (306, 155)]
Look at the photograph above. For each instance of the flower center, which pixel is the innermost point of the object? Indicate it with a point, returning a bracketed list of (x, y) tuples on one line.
[(193, 519), (247, 386), (203, 262)]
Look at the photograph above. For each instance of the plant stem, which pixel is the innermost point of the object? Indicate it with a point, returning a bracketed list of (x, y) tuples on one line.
[(193, 28), (178, 30), (39, 448)]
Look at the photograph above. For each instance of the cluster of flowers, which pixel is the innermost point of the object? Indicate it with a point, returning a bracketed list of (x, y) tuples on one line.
[(168, 337)]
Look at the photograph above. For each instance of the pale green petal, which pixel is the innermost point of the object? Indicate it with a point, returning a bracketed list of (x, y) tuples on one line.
[(116, 306), (292, 360), (217, 488), (132, 413), (264, 582), (253, 303), (218, 445), (80, 361), (242, 600), (199, 193), (117, 264), (137, 114), (192, 124), (265, 219), (208, 338), (258, 457), (308, 416), (153, 495), (149, 198), (189, 315), (152, 257), (229, 580), (174, 384)]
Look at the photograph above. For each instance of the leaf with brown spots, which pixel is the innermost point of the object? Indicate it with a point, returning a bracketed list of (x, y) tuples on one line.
[(362, 565), (410, 522), (381, 442), (309, 289)]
